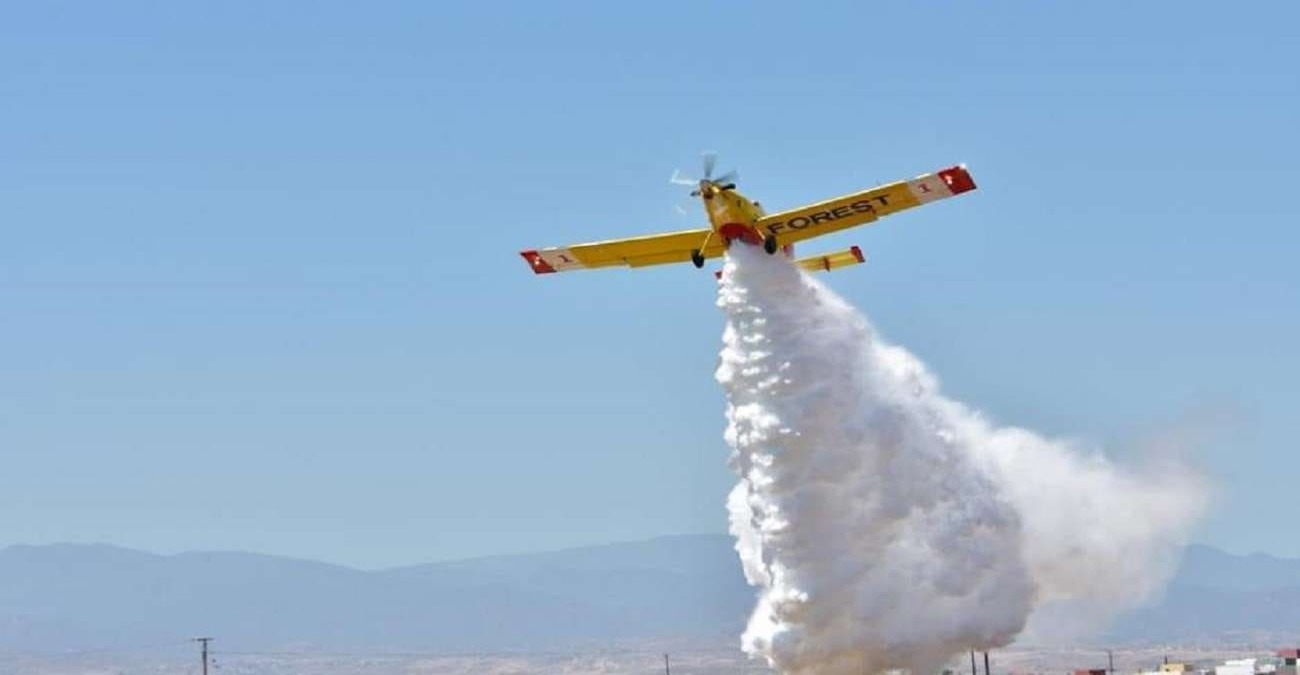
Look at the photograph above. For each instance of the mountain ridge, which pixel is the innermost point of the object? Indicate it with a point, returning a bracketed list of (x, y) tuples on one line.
[(62, 596)]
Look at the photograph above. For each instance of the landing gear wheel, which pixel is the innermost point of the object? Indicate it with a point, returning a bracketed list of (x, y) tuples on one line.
[(769, 244), (697, 258)]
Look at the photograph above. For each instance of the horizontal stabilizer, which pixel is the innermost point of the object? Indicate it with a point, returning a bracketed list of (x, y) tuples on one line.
[(825, 263), (831, 261)]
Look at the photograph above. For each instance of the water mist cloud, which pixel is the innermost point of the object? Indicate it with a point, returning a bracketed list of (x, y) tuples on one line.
[(886, 526)]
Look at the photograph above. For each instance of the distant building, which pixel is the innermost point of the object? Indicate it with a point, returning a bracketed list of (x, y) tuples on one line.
[(1236, 667), (1289, 658), (1091, 671), (1174, 668)]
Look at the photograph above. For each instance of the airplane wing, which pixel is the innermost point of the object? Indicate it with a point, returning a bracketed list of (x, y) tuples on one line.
[(656, 249), (864, 207)]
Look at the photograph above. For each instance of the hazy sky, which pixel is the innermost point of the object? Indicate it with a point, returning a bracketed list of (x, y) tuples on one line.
[(259, 282)]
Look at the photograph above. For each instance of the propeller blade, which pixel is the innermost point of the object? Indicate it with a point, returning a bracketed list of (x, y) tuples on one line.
[(681, 179), (728, 177), (710, 160)]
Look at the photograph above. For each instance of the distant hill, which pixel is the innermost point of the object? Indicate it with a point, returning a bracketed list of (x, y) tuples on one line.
[(86, 596), (1216, 593), (1195, 613), (78, 596), (1209, 567)]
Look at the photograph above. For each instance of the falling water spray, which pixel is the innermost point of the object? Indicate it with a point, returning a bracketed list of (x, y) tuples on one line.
[(886, 526)]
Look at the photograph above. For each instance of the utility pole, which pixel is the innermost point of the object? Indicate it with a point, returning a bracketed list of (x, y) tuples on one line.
[(1110, 662), (203, 642), (986, 663), (972, 663), (667, 671)]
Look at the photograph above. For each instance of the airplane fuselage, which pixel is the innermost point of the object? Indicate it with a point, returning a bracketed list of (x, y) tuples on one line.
[(732, 216)]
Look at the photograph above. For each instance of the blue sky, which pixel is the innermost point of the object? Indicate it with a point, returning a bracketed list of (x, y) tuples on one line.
[(259, 283)]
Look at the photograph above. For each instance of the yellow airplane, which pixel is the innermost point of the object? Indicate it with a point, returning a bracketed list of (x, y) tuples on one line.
[(734, 218)]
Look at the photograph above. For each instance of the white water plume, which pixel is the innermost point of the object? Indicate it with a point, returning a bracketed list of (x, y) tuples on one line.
[(886, 526)]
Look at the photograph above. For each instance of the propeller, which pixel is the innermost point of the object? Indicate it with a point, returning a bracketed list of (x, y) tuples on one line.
[(681, 179), (710, 162)]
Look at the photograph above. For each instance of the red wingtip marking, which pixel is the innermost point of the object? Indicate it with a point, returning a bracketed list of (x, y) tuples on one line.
[(958, 179), (718, 275), (857, 253), (536, 262)]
